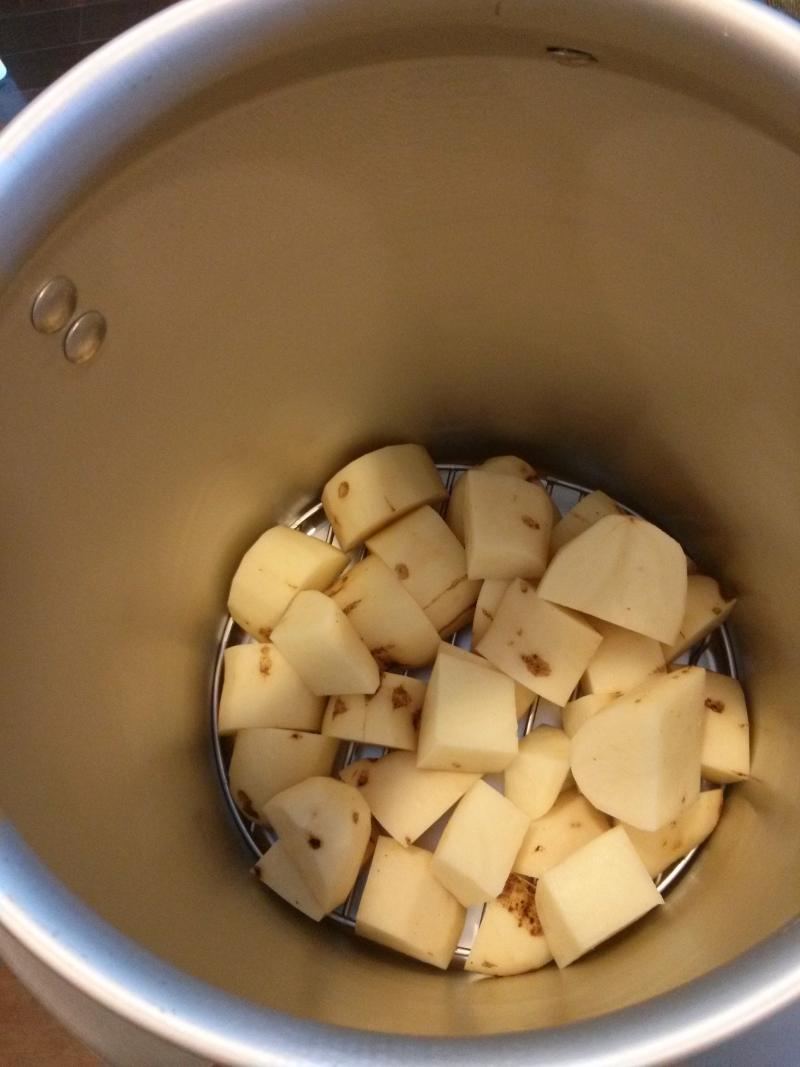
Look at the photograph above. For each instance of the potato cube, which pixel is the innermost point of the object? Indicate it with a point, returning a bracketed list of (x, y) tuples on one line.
[(623, 659), (706, 609), (273, 571), (276, 870), (542, 646), (510, 939), (639, 758), (491, 593), (267, 761), (431, 563), (324, 826), (320, 642), (726, 732), (378, 488), (508, 465), (537, 775), (523, 698), (390, 717), (261, 688), (570, 824), (385, 615), (469, 720), (575, 714), (405, 908), (622, 570), (586, 513), (592, 895), (507, 525), (479, 844), (404, 799), (659, 848)]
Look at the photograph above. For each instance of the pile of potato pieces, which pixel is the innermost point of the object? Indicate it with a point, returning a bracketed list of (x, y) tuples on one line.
[(563, 854)]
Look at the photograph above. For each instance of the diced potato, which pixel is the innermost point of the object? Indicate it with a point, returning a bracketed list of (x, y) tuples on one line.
[(404, 799), (537, 775), (706, 609), (507, 525), (261, 688), (492, 592), (623, 659), (726, 731), (273, 571), (622, 570), (586, 513), (523, 698), (405, 908), (508, 465), (324, 826), (388, 619), (659, 848), (570, 824), (639, 758), (592, 895), (542, 646), (390, 717), (276, 870), (267, 761), (430, 562), (479, 844), (575, 714), (510, 939), (378, 488), (469, 720), (324, 648)]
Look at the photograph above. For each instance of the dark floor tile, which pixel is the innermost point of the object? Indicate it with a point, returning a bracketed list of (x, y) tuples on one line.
[(36, 69), (23, 33), (16, 7), (101, 22)]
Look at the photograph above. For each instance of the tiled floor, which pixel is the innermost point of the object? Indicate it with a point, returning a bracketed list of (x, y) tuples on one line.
[(30, 1037)]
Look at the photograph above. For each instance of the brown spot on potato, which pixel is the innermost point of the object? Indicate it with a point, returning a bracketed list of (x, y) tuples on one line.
[(575, 825), (351, 606), (716, 611), (456, 766), (343, 490), (531, 522), (363, 778), (715, 705), (401, 570), (523, 587), (264, 661), (519, 633), (519, 899), (389, 504), (383, 654), (265, 633), (536, 665), (401, 697), (295, 737), (488, 963), (407, 840), (355, 816), (339, 707), (314, 842), (539, 848), (415, 718), (488, 614)]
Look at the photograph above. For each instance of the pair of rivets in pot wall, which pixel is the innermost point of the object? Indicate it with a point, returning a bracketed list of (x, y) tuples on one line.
[(53, 307)]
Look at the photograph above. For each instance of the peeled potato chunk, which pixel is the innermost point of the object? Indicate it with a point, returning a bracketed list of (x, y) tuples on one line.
[(509, 465), (404, 799), (430, 562), (469, 720), (510, 939), (639, 758), (594, 506), (378, 488), (706, 609), (387, 618), (261, 688), (623, 659), (491, 593), (523, 697), (479, 844), (726, 731), (576, 712), (537, 775), (538, 644), (390, 717), (276, 870), (273, 571), (324, 648), (622, 570), (324, 826), (659, 848), (267, 761), (569, 824), (406, 908), (507, 525), (592, 895)]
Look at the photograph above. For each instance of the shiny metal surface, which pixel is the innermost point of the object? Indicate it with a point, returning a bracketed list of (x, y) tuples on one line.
[(571, 57), (401, 223), (85, 337), (53, 305)]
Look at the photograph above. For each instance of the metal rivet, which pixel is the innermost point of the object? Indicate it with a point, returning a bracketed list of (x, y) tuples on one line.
[(84, 337), (571, 57), (54, 305)]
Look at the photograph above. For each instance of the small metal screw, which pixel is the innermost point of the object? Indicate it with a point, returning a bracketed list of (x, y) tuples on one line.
[(54, 305), (84, 337), (570, 57)]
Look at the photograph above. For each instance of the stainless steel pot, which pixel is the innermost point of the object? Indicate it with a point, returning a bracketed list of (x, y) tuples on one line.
[(567, 228)]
